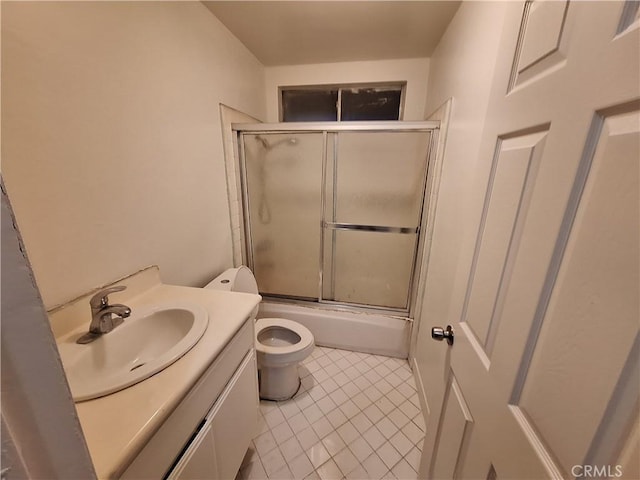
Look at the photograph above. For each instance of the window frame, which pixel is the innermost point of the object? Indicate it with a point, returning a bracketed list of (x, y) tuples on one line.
[(344, 86)]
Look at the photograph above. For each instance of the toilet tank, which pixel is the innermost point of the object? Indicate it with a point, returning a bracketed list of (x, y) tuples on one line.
[(238, 279)]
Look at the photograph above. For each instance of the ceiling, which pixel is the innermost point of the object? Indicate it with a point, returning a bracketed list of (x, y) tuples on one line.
[(302, 32)]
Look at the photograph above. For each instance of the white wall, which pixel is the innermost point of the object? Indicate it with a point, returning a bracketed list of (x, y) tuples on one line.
[(414, 71), (461, 68), (112, 148)]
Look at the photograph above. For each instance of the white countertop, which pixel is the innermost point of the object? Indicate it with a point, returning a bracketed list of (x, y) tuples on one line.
[(117, 426)]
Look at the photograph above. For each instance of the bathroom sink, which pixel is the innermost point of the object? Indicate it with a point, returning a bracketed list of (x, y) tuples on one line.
[(150, 340)]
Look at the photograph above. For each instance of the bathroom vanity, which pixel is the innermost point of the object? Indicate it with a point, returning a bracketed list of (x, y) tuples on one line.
[(193, 419), (201, 441)]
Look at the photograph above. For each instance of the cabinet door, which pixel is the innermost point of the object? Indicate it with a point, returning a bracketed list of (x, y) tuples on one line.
[(234, 418), (199, 461), (217, 450)]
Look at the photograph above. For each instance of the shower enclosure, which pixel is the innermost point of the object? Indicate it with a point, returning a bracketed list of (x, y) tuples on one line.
[(333, 211)]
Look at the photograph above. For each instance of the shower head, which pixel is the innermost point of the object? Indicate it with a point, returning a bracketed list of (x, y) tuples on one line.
[(291, 141), (263, 141)]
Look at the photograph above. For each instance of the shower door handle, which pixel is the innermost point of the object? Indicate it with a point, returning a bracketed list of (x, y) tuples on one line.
[(369, 228), (439, 333)]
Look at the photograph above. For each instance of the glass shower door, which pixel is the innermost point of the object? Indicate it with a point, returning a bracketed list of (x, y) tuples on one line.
[(332, 212), (282, 191), (373, 208)]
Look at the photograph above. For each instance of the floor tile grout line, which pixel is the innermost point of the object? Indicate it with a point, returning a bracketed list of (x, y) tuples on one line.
[(368, 365)]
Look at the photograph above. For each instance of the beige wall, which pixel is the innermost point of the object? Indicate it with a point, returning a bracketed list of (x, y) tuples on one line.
[(461, 68), (112, 150), (414, 71)]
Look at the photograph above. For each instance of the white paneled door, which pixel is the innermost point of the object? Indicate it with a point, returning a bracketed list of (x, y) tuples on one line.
[(542, 378)]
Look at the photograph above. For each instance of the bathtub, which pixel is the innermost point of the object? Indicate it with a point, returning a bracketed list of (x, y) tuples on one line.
[(349, 330)]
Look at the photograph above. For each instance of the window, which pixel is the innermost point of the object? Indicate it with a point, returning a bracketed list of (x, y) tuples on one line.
[(341, 103)]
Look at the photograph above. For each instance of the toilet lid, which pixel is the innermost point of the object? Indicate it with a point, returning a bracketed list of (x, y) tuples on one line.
[(306, 337)]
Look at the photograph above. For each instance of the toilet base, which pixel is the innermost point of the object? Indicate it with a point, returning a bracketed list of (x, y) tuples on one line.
[(279, 383)]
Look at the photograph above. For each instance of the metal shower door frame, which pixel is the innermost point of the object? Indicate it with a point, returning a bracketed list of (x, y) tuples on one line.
[(327, 128)]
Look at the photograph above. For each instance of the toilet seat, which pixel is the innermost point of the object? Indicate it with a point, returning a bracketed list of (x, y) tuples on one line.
[(277, 363), (306, 337)]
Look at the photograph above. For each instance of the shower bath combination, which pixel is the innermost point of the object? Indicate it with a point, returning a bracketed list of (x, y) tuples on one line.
[(333, 215)]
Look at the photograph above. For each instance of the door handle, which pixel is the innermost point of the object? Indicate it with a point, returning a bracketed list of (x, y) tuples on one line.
[(439, 333)]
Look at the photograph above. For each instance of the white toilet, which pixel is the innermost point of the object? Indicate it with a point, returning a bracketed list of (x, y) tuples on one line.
[(280, 344)]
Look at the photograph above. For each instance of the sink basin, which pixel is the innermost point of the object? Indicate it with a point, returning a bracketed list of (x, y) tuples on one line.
[(150, 340)]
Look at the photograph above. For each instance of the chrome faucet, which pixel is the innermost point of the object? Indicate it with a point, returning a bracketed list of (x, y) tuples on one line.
[(102, 315)]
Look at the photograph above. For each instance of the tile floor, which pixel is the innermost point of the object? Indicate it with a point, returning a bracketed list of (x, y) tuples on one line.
[(356, 416)]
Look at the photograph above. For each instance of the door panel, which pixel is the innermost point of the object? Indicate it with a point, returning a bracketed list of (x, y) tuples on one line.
[(512, 175), (590, 297), (453, 432), (283, 180), (543, 41), (373, 210)]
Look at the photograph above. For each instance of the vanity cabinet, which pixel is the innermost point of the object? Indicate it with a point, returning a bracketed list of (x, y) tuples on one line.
[(207, 435), (219, 447)]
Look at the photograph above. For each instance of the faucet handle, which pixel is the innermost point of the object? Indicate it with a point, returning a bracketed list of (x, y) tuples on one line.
[(101, 298)]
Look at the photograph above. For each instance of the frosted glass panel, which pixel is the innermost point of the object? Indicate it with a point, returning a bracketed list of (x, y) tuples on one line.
[(370, 268), (333, 215), (380, 177), (284, 183)]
